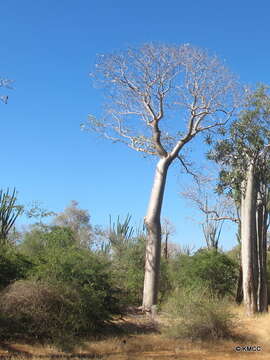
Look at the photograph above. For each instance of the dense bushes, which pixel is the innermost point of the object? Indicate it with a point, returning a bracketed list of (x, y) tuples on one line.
[(85, 272), (13, 265), (69, 290), (56, 290), (197, 315), (197, 305), (58, 260), (42, 238), (68, 295), (209, 268), (128, 271)]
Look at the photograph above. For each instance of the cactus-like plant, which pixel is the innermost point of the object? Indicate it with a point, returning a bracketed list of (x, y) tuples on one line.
[(9, 211), (120, 233)]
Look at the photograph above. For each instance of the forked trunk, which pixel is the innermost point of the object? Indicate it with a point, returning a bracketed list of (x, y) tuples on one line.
[(153, 226), (248, 239)]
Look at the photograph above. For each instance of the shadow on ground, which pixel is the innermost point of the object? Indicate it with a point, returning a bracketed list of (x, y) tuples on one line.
[(121, 329)]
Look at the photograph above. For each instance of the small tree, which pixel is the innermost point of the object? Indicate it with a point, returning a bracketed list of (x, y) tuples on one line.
[(159, 98), (78, 220)]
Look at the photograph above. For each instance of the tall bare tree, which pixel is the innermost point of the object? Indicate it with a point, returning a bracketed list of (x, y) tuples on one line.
[(159, 97)]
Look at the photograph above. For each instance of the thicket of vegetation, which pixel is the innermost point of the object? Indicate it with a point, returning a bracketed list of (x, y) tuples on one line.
[(56, 288)]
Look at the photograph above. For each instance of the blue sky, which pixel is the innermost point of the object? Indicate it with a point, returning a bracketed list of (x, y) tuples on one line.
[(48, 48)]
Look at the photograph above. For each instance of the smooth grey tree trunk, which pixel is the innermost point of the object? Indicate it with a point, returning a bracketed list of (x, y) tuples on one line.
[(264, 290), (262, 215), (239, 289), (259, 233), (153, 226), (256, 244), (248, 238)]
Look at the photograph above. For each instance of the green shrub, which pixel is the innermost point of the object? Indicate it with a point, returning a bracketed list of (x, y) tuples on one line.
[(128, 271), (85, 272), (195, 315), (165, 283), (43, 237), (58, 260), (207, 268), (13, 266), (69, 291), (69, 295)]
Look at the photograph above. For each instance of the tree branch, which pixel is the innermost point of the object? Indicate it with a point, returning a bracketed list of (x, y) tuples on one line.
[(225, 218), (196, 177)]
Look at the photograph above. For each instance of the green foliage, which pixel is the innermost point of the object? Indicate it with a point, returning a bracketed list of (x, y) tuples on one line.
[(68, 293), (196, 315), (127, 254), (13, 266), (84, 271), (128, 262), (235, 254), (165, 283), (209, 268), (249, 137), (69, 289), (42, 238), (128, 270), (120, 235)]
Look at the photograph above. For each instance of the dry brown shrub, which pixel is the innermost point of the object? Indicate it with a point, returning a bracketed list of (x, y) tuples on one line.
[(38, 310)]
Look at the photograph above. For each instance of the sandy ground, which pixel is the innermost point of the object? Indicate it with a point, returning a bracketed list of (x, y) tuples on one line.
[(142, 341)]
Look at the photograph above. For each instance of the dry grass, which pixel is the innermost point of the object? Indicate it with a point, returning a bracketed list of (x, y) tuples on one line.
[(143, 343)]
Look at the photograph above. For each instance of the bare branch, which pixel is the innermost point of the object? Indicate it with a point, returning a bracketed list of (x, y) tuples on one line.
[(149, 85), (7, 84), (236, 220), (195, 176)]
